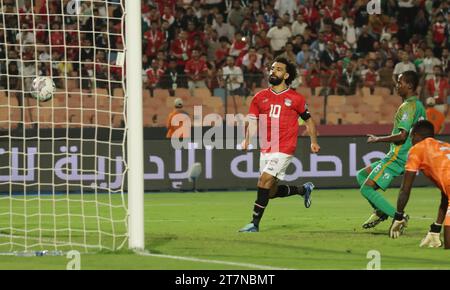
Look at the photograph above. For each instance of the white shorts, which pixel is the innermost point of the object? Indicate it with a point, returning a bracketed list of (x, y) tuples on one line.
[(274, 164)]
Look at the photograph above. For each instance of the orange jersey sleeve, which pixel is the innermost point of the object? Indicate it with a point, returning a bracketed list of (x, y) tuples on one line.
[(415, 157), (432, 157), (435, 117)]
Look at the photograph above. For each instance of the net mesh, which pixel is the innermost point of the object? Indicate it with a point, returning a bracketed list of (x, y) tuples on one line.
[(62, 162)]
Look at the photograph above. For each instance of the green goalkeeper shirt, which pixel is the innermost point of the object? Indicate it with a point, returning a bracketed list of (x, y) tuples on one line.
[(409, 112)]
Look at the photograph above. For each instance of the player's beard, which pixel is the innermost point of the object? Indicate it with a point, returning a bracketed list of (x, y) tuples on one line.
[(273, 80)]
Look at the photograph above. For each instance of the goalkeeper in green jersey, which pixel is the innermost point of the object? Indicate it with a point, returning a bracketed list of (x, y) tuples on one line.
[(381, 173)]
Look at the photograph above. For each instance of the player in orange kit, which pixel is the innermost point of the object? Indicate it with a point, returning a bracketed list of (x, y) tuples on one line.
[(433, 158)]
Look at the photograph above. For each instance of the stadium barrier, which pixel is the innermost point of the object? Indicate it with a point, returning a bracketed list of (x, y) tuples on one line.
[(166, 169)]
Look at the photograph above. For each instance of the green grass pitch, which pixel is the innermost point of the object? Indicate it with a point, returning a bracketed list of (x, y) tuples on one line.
[(199, 231)]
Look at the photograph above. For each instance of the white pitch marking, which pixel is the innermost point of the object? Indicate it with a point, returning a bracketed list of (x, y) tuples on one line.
[(247, 265)]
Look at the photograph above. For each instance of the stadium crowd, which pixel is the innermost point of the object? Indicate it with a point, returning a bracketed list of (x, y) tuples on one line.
[(336, 44)]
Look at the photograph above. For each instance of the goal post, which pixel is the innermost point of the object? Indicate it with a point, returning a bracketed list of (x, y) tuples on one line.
[(135, 127), (71, 168)]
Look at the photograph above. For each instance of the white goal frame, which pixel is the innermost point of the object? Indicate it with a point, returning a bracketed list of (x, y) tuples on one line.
[(135, 158)]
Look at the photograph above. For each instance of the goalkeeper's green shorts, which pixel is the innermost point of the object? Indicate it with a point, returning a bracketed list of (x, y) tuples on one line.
[(385, 170)]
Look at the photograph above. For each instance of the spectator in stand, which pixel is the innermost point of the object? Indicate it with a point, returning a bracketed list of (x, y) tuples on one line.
[(212, 44), (318, 46), (299, 25), (328, 56), (386, 75), (260, 24), (153, 39), (189, 17), (252, 69), (223, 28), (289, 53), (182, 48), (168, 33), (342, 20), (236, 15), (327, 30), (370, 76), (289, 7), (173, 77), (311, 13), (404, 65), (439, 30), (419, 58), (328, 76), (233, 78), (438, 88), (407, 10), (178, 122), (269, 15), (428, 64), (297, 42), (222, 52), (365, 41), (167, 15), (349, 33), (87, 51), (278, 36), (359, 13), (341, 47), (435, 116), (239, 45), (421, 23), (196, 71), (376, 25), (312, 76), (349, 81), (256, 8), (154, 74)]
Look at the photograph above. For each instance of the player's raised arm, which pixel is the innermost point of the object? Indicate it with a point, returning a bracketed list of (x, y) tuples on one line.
[(398, 138)]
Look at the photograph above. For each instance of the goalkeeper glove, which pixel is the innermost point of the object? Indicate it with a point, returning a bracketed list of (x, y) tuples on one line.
[(398, 225), (432, 239)]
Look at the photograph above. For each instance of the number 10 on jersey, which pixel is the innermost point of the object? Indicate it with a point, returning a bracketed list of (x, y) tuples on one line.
[(275, 111)]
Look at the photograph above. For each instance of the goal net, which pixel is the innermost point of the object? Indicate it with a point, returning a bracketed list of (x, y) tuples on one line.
[(62, 162)]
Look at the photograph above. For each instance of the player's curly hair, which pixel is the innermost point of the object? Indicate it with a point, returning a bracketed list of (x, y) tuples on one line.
[(290, 69), (424, 128), (411, 78)]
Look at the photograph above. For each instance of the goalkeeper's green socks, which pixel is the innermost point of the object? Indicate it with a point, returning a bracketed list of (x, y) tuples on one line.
[(377, 200)]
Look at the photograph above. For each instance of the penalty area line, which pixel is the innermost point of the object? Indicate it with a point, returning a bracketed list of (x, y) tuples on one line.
[(192, 259)]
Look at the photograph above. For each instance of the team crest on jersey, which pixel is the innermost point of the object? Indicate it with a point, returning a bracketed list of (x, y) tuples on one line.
[(288, 102), (405, 117)]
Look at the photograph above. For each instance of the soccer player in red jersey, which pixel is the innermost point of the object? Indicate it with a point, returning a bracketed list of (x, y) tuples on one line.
[(278, 109)]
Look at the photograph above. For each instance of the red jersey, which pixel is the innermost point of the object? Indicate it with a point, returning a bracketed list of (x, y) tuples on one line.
[(154, 41), (195, 68), (438, 89), (439, 32), (281, 109)]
